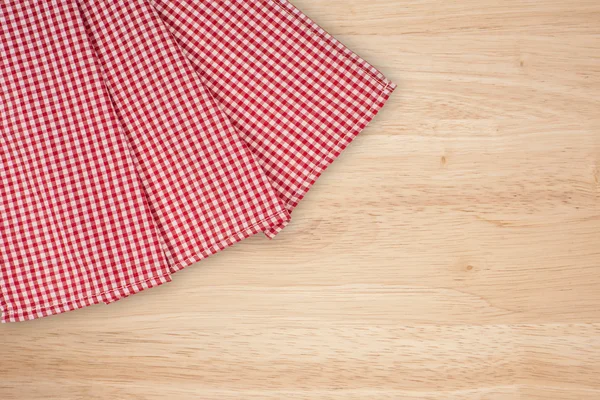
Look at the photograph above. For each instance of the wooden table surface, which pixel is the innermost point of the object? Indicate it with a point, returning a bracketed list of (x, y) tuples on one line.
[(452, 252)]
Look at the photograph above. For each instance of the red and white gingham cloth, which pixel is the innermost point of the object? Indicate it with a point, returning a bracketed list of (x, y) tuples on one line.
[(75, 226), (141, 136)]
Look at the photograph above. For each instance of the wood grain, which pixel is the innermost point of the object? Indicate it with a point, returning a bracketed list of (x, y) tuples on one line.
[(452, 252)]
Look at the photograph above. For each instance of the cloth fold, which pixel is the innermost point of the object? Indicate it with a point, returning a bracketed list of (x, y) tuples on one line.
[(141, 136)]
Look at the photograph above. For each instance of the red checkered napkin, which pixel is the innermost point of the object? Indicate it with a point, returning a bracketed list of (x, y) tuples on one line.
[(140, 136)]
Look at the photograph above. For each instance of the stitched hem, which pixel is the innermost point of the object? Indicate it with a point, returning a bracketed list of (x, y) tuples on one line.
[(105, 297), (9, 315), (365, 71), (325, 162), (360, 65), (268, 223)]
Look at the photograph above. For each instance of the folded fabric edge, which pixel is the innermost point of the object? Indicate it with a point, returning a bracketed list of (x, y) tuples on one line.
[(325, 162), (106, 297), (280, 218), (366, 70), (120, 293)]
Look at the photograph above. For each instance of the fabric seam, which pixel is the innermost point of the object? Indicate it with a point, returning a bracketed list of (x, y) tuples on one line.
[(12, 312), (311, 27), (315, 172), (224, 242)]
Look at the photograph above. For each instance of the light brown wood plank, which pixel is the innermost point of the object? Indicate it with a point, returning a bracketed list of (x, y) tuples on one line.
[(451, 253)]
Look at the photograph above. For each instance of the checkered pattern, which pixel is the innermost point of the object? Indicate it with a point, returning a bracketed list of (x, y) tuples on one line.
[(294, 93), (75, 226), (205, 187), (141, 136)]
